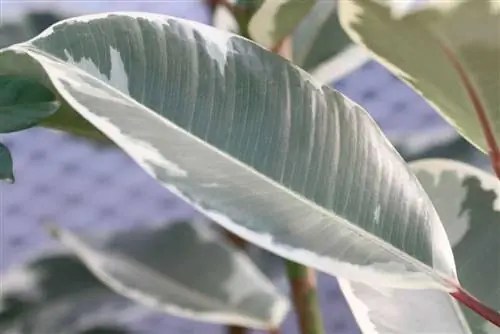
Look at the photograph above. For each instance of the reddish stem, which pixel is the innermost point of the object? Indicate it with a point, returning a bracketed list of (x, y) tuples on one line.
[(493, 150), (475, 305)]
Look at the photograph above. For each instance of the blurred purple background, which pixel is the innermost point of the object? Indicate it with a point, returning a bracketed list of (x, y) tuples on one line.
[(81, 186)]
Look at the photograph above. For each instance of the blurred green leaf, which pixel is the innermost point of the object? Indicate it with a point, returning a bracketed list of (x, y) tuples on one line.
[(468, 202), (57, 294), (438, 50), (24, 103), (276, 19), (6, 164), (11, 33), (240, 133), (185, 270)]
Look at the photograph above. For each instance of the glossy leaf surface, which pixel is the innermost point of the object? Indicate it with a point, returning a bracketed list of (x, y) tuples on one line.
[(185, 270), (468, 202), (250, 140), (449, 51)]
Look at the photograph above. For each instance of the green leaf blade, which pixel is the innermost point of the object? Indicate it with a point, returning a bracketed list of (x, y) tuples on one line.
[(185, 270), (38, 103), (275, 20), (423, 48), (320, 37), (55, 293), (252, 141)]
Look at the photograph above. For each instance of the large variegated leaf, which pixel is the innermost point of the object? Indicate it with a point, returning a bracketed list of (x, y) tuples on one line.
[(6, 164), (185, 270), (247, 138), (468, 202), (275, 20), (57, 294), (449, 51)]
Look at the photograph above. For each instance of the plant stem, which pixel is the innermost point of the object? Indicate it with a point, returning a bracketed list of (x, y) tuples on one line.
[(305, 298), (236, 330), (240, 244)]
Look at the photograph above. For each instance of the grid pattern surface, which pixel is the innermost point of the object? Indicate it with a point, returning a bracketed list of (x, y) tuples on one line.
[(78, 185)]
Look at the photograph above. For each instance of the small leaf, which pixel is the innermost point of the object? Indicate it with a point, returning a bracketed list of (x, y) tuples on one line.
[(468, 202), (183, 270), (448, 51), (6, 165), (24, 103), (276, 19)]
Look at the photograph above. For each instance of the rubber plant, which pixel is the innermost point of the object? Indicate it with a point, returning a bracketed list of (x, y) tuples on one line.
[(279, 159)]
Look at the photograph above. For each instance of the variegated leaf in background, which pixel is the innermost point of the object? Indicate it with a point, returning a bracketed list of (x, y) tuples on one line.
[(6, 164), (321, 46), (57, 294), (185, 270), (240, 134), (275, 20), (449, 51), (468, 202)]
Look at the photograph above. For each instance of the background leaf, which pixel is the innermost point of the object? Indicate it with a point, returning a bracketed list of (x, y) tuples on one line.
[(276, 19), (321, 46), (6, 164), (424, 48), (57, 294), (255, 127), (24, 103), (468, 202), (185, 270)]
